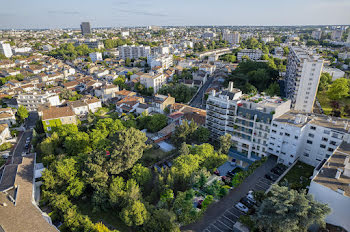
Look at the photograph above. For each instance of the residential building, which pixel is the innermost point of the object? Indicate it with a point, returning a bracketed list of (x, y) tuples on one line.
[(32, 101), (85, 28), (164, 61), (125, 33), (93, 104), (208, 35), (129, 104), (309, 138), (56, 116), (156, 81), (268, 39), (5, 49), (79, 107), (209, 69), (334, 72), (253, 54), (4, 133), (331, 185), (247, 119), (95, 56), (7, 116), (337, 35), (161, 102), (302, 78), (133, 52), (316, 34), (106, 92), (231, 37)]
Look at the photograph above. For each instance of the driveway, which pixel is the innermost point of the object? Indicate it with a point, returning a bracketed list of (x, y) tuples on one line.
[(224, 209)]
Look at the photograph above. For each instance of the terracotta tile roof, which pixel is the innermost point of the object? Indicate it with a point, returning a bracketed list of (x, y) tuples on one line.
[(6, 115), (57, 112), (125, 93), (130, 100), (3, 127)]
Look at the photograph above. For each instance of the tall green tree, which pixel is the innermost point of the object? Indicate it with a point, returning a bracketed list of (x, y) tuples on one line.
[(225, 143), (338, 89), (22, 113), (162, 220), (289, 210), (135, 214)]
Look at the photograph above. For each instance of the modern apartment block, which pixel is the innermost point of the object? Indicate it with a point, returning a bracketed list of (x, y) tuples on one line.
[(253, 54), (331, 185), (5, 49), (337, 35), (309, 138), (316, 34), (85, 28), (164, 61), (32, 101), (231, 37), (133, 52), (95, 56), (156, 81), (247, 119), (302, 78)]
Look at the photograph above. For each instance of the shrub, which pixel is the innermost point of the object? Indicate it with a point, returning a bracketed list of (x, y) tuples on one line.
[(5, 146)]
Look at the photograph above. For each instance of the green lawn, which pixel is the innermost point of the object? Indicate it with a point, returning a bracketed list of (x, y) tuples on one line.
[(326, 102), (298, 176), (109, 218), (152, 156)]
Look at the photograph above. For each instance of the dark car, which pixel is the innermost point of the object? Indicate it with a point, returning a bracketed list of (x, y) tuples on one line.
[(26, 146), (270, 177), (276, 171), (247, 202)]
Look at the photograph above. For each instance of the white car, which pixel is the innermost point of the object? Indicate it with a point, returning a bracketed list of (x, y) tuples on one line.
[(250, 196), (242, 207)]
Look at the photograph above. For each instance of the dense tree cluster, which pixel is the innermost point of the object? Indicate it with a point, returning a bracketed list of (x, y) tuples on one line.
[(190, 133), (67, 51), (180, 92)]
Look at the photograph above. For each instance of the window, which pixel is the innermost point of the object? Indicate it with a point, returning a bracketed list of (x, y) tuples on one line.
[(322, 146), (309, 141), (273, 131), (275, 125), (49, 128), (286, 134), (311, 135), (296, 137), (333, 143), (324, 139), (330, 149), (306, 154), (313, 128), (47, 122), (327, 132)]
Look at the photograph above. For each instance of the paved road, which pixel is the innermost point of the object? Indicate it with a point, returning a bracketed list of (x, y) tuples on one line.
[(197, 101), (222, 214)]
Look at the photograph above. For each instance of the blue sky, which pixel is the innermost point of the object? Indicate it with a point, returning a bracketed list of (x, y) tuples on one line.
[(115, 13)]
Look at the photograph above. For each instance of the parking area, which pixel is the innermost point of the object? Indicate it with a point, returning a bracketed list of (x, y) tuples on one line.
[(226, 221)]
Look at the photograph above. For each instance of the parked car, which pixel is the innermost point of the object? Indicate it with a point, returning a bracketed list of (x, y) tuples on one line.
[(250, 196), (270, 177), (26, 146), (245, 201), (276, 171), (242, 207)]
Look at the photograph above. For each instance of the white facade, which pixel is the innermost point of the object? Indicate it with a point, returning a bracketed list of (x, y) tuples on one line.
[(336, 35), (95, 56), (316, 34), (165, 61), (34, 100), (5, 49), (232, 38), (268, 39), (125, 33), (302, 78), (133, 52), (248, 120), (253, 54), (156, 82), (307, 138)]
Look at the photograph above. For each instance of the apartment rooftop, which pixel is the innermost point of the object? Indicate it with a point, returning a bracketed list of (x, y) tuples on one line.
[(335, 172), (300, 119), (264, 100), (303, 53)]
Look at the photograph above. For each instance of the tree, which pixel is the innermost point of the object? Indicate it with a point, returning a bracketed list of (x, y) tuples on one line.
[(135, 214), (184, 150), (141, 174), (285, 51), (201, 135), (128, 149), (161, 220), (183, 207), (49, 145), (22, 113), (273, 90), (289, 210), (325, 80), (77, 143), (338, 89), (225, 143)]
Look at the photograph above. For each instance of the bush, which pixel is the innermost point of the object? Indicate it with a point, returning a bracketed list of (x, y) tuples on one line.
[(5, 146)]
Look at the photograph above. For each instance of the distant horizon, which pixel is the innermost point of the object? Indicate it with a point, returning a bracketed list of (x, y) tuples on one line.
[(38, 14), (112, 27)]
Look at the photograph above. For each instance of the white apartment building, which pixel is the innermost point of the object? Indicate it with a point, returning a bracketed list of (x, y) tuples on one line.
[(253, 54), (208, 35), (21, 50), (156, 81), (125, 33), (344, 55), (133, 52), (316, 34), (231, 37), (32, 101), (164, 61), (95, 56), (247, 119), (268, 39), (161, 50), (187, 44), (5, 49), (302, 78), (309, 138), (336, 35), (331, 185)]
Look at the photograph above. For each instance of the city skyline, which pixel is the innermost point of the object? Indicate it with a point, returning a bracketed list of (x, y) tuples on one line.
[(119, 13)]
